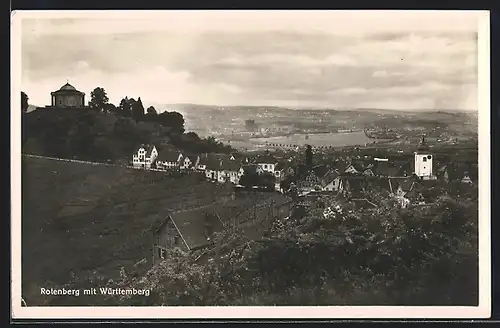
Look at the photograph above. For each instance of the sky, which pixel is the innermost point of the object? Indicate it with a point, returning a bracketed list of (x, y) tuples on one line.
[(318, 59)]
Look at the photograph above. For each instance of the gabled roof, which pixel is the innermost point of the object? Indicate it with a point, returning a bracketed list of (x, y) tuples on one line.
[(230, 165), (195, 225), (382, 183), (266, 159), (250, 168), (148, 148), (168, 155), (359, 165), (405, 184), (192, 157), (309, 180), (213, 164), (320, 170), (206, 158), (355, 185), (386, 169), (329, 177)]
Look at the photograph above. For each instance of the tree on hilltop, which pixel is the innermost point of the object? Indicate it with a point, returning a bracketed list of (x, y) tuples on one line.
[(152, 111), (151, 114), (125, 107), (173, 120), (98, 98), (137, 110)]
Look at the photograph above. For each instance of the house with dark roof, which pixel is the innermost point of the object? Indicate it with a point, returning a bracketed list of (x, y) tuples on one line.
[(386, 169), (144, 156), (250, 169), (204, 160), (169, 159), (355, 186), (451, 172), (353, 169), (309, 182), (331, 181), (187, 230), (400, 188), (229, 170), (267, 162), (212, 167), (189, 161)]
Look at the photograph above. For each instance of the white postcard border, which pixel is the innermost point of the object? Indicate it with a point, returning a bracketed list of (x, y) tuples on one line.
[(278, 312)]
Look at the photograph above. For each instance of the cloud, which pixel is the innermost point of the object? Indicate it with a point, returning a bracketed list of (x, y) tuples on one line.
[(162, 64), (155, 85)]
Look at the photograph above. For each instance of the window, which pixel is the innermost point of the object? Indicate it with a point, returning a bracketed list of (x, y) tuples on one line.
[(265, 166), (424, 159), (162, 253), (176, 240)]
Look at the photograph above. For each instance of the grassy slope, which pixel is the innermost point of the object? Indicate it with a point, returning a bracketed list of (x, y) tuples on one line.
[(84, 219)]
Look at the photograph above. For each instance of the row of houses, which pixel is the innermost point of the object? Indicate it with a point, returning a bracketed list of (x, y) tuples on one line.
[(217, 167), (230, 167)]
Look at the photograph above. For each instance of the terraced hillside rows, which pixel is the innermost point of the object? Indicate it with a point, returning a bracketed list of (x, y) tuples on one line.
[(89, 220)]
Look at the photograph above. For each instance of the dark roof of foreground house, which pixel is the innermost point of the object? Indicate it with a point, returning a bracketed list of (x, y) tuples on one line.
[(406, 184), (168, 155), (230, 165), (213, 164), (380, 183), (356, 185), (250, 168), (266, 159), (197, 225), (320, 170), (329, 177), (386, 169)]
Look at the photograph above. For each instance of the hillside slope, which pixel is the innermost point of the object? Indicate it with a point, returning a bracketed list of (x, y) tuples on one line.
[(90, 220)]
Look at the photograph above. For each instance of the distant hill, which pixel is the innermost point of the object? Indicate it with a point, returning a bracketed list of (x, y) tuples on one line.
[(218, 118)]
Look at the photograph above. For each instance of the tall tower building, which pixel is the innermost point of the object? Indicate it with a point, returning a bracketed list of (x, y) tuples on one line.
[(423, 161)]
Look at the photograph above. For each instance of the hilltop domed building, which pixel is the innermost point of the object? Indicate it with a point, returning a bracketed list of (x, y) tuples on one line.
[(67, 97)]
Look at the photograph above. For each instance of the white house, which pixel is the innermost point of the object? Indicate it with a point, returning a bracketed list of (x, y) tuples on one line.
[(144, 156), (212, 169), (169, 159), (331, 181), (267, 163), (189, 161), (230, 171)]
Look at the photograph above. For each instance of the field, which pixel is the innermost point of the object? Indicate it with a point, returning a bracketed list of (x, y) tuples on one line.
[(88, 220)]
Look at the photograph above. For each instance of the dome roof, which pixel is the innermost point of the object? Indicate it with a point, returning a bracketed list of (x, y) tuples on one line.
[(68, 87)]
